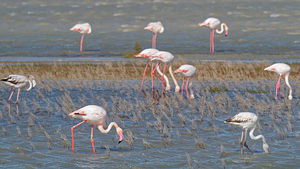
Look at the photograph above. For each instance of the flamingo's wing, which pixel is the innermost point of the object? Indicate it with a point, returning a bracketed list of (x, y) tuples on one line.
[(15, 79)]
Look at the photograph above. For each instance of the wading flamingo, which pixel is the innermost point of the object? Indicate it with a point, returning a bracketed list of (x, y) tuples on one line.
[(93, 114), (155, 27), (19, 81), (148, 53), (246, 121), (281, 69), (82, 28), (213, 24), (187, 71), (167, 58)]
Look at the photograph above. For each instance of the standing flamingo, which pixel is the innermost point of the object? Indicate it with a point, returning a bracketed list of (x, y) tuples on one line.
[(213, 24), (19, 81), (82, 28), (247, 120), (94, 115), (187, 71), (148, 53), (155, 27), (167, 58), (281, 69)]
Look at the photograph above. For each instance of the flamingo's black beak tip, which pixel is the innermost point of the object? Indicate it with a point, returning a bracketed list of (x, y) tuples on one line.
[(119, 142)]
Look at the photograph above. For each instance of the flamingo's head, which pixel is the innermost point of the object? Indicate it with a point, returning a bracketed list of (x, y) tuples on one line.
[(266, 147), (120, 133), (226, 29)]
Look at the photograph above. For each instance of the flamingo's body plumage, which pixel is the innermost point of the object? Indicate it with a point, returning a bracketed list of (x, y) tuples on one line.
[(19, 82)]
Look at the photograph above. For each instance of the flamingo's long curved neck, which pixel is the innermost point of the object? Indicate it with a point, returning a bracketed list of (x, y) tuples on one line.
[(105, 131), (223, 26), (257, 137), (288, 84), (174, 80), (165, 78)]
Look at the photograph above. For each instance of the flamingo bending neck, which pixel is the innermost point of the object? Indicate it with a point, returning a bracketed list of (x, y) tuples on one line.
[(288, 84), (265, 145), (223, 27)]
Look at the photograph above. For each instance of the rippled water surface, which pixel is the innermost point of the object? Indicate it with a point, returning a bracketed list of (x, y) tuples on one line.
[(41, 28), (165, 132)]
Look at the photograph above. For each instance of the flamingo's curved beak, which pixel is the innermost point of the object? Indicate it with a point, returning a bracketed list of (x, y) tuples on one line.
[(226, 34), (120, 133)]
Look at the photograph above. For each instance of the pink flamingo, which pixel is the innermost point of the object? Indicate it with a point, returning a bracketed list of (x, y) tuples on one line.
[(213, 24), (187, 71), (94, 115), (281, 69), (247, 120), (82, 28), (148, 53), (167, 58), (155, 27), (19, 81)]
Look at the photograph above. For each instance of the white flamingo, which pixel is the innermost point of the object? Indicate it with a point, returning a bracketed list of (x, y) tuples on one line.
[(281, 69), (246, 121), (187, 71), (213, 24), (93, 114), (19, 82), (82, 28), (167, 58), (155, 27)]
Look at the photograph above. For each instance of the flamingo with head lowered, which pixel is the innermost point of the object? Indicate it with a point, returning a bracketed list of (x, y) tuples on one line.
[(155, 27), (281, 69), (93, 114), (167, 58), (187, 71), (246, 121), (213, 24), (82, 28)]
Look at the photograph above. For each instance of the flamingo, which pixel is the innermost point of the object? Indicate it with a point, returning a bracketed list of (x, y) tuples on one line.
[(247, 120), (155, 27), (281, 69), (148, 53), (82, 28), (213, 24), (20, 82), (94, 114), (187, 71), (167, 58)]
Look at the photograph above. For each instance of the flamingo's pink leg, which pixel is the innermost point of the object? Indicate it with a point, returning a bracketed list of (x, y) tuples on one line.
[(153, 71), (18, 95), (182, 86), (152, 76), (81, 42), (12, 92), (163, 77), (72, 128), (278, 88), (186, 89), (92, 140), (213, 42), (144, 74), (159, 78), (210, 45)]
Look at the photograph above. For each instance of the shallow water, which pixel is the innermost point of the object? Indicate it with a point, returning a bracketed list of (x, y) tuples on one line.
[(170, 132), (263, 30)]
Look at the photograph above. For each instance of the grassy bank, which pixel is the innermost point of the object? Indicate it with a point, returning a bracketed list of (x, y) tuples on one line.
[(134, 70)]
